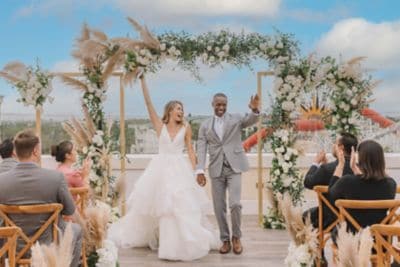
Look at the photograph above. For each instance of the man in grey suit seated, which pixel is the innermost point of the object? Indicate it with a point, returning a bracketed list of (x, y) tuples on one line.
[(8, 155), (29, 184), (220, 135)]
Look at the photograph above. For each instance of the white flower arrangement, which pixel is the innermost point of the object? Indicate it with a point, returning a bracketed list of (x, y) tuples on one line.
[(33, 84), (211, 48), (299, 256), (108, 254)]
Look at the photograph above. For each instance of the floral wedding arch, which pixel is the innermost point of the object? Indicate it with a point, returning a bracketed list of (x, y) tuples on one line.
[(100, 56)]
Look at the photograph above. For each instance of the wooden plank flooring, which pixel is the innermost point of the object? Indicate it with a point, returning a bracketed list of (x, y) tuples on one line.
[(262, 248)]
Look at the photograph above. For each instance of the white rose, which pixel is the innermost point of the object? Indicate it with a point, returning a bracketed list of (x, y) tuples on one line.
[(172, 50), (221, 54), (346, 108), (163, 47), (217, 49), (209, 48), (177, 53), (349, 92), (278, 83), (212, 59), (204, 57), (354, 102), (330, 76), (334, 121), (277, 172), (142, 52), (286, 180), (226, 48), (344, 120), (263, 46), (274, 52), (288, 105), (291, 96), (286, 88)]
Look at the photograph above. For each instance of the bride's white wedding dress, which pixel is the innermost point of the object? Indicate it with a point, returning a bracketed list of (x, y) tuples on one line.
[(166, 207)]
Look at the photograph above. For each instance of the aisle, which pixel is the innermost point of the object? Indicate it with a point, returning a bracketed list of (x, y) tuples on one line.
[(261, 248)]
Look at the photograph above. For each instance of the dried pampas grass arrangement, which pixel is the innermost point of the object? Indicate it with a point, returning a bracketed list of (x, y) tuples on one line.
[(301, 232), (97, 216), (56, 254), (354, 250)]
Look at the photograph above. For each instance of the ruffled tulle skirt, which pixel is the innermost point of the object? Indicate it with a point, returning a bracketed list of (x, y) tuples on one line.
[(166, 211)]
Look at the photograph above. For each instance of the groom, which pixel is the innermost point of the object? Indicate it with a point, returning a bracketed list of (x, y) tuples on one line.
[(221, 134)]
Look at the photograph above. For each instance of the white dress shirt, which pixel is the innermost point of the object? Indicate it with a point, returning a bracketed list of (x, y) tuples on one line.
[(219, 126)]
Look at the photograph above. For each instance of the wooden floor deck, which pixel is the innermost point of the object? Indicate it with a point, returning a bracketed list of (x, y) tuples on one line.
[(262, 248)]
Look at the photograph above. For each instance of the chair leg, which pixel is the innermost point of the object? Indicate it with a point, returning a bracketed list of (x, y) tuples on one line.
[(84, 259)]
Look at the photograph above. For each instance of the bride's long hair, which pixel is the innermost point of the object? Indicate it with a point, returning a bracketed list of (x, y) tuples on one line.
[(168, 108)]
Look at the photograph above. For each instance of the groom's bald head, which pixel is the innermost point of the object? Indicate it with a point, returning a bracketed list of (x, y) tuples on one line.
[(219, 104)]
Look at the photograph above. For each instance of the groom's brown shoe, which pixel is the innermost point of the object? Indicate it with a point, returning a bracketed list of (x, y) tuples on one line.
[(237, 246), (226, 247)]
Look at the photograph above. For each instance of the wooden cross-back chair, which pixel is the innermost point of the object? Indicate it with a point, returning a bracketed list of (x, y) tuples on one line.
[(81, 196), (324, 233), (53, 209), (9, 237), (344, 205), (385, 249)]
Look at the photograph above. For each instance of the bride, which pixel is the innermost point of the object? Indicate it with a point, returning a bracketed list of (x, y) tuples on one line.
[(166, 206)]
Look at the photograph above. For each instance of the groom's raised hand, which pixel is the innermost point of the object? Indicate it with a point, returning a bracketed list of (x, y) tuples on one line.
[(201, 179), (254, 104)]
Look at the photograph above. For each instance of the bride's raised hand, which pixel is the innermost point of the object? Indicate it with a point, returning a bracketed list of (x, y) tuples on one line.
[(155, 120)]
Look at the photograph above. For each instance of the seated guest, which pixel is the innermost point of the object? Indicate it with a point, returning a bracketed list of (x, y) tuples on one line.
[(320, 173), (369, 182), (28, 184), (65, 153), (8, 156)]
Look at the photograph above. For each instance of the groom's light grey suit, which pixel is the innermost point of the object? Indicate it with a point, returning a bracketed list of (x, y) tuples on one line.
[(227, 161)]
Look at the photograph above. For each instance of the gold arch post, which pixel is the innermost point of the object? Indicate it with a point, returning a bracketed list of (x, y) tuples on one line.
[(122, 136), (260, 184)]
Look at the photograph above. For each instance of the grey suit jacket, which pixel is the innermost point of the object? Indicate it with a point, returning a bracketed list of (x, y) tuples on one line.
[(28, 184), (7, 164), (230, 145)]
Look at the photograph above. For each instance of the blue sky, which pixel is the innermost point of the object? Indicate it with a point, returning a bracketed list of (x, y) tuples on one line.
[(46, 29)]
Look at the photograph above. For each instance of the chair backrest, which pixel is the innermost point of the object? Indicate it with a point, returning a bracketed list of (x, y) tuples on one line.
[(9, 237), (398, 190), (320, 190), (383, 235), (53, 209), (80, 195), (391, 205)]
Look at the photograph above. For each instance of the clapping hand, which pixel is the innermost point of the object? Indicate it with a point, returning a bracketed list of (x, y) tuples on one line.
[(340, 156), (321, 158), (353, 162), (86, 165), (254, 104)]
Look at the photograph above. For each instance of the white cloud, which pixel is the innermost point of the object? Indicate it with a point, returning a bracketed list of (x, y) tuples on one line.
[(310, 15), (386, 97), (206, 8), (183, 13), (379, 42)]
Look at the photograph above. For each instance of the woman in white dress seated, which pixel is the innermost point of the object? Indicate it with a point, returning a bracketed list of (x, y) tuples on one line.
[(166, 206)]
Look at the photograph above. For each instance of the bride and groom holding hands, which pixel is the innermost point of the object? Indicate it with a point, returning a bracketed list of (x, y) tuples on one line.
[(166, 209)]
